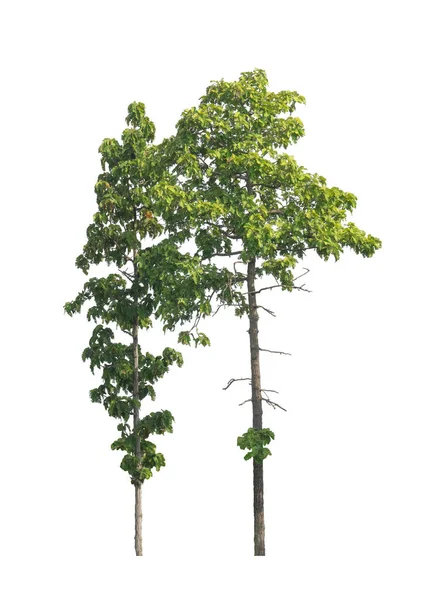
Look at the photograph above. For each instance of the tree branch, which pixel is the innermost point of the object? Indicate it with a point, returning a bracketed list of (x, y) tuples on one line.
[(195, 324), (303, 274), (237, 379), (270, 402), (273, 404), (267, 310), (221, 305), (238, 262), (248, 400), (128, 276), (274, 351), (271, 287)]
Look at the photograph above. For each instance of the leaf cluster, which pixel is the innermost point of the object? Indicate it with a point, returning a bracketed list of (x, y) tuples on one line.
[(156, 423), (256, 440)]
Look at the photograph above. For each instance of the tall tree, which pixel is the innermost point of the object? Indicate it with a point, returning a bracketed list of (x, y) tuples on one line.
[(247, 199), (132, 197)]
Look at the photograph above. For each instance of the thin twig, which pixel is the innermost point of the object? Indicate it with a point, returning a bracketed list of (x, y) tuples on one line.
[(237, 379), (303, 274), (195, 324), (128, 276), (274, 351), (273, 391), (271, 287), (273, 404), (248, 400), (267, 310), (221, 305), (238, 262)]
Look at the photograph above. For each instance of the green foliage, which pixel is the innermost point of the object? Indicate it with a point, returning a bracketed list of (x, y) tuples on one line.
[(222, 186), (142, 469), (156, 423), (114, 302), (133, 193), (247, 197), (256, 440)]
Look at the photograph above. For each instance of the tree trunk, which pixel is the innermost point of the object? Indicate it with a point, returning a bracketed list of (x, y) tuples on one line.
[(138, 519), (257, 410), (137, 484)]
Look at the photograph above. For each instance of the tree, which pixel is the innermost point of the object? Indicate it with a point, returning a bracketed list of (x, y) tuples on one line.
[(132, 196), (247, 199)]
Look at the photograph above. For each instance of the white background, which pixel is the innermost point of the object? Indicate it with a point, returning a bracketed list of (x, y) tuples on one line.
[(356, 490)]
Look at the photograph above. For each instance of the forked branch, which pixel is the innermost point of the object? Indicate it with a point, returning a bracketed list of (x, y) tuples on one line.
[(266, 399), (273, 404), (237, 379)]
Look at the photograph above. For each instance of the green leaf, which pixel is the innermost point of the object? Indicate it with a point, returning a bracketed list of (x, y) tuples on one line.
[(255, 441)]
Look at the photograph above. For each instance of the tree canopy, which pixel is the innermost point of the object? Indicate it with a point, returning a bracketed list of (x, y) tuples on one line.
[(223, 187)]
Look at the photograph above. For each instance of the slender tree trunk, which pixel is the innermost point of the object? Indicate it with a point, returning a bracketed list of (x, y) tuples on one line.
[(137, 484), (138, 519), (257, 410)]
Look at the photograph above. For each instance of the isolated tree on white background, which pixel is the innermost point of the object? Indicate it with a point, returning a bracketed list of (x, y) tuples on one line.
[(251, 202), (123, 224)]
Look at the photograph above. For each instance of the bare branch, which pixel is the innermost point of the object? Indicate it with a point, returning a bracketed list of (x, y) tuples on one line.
[(271, 287), (273, 404), (303, 274), (274, 391), (238, 262), (237, 379), (220, 306), (267, 310), (274, 351), (224, 304), (248, 400)]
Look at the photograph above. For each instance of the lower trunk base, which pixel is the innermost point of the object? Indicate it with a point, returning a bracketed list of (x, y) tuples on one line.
[(138, 520), (259, 532)]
